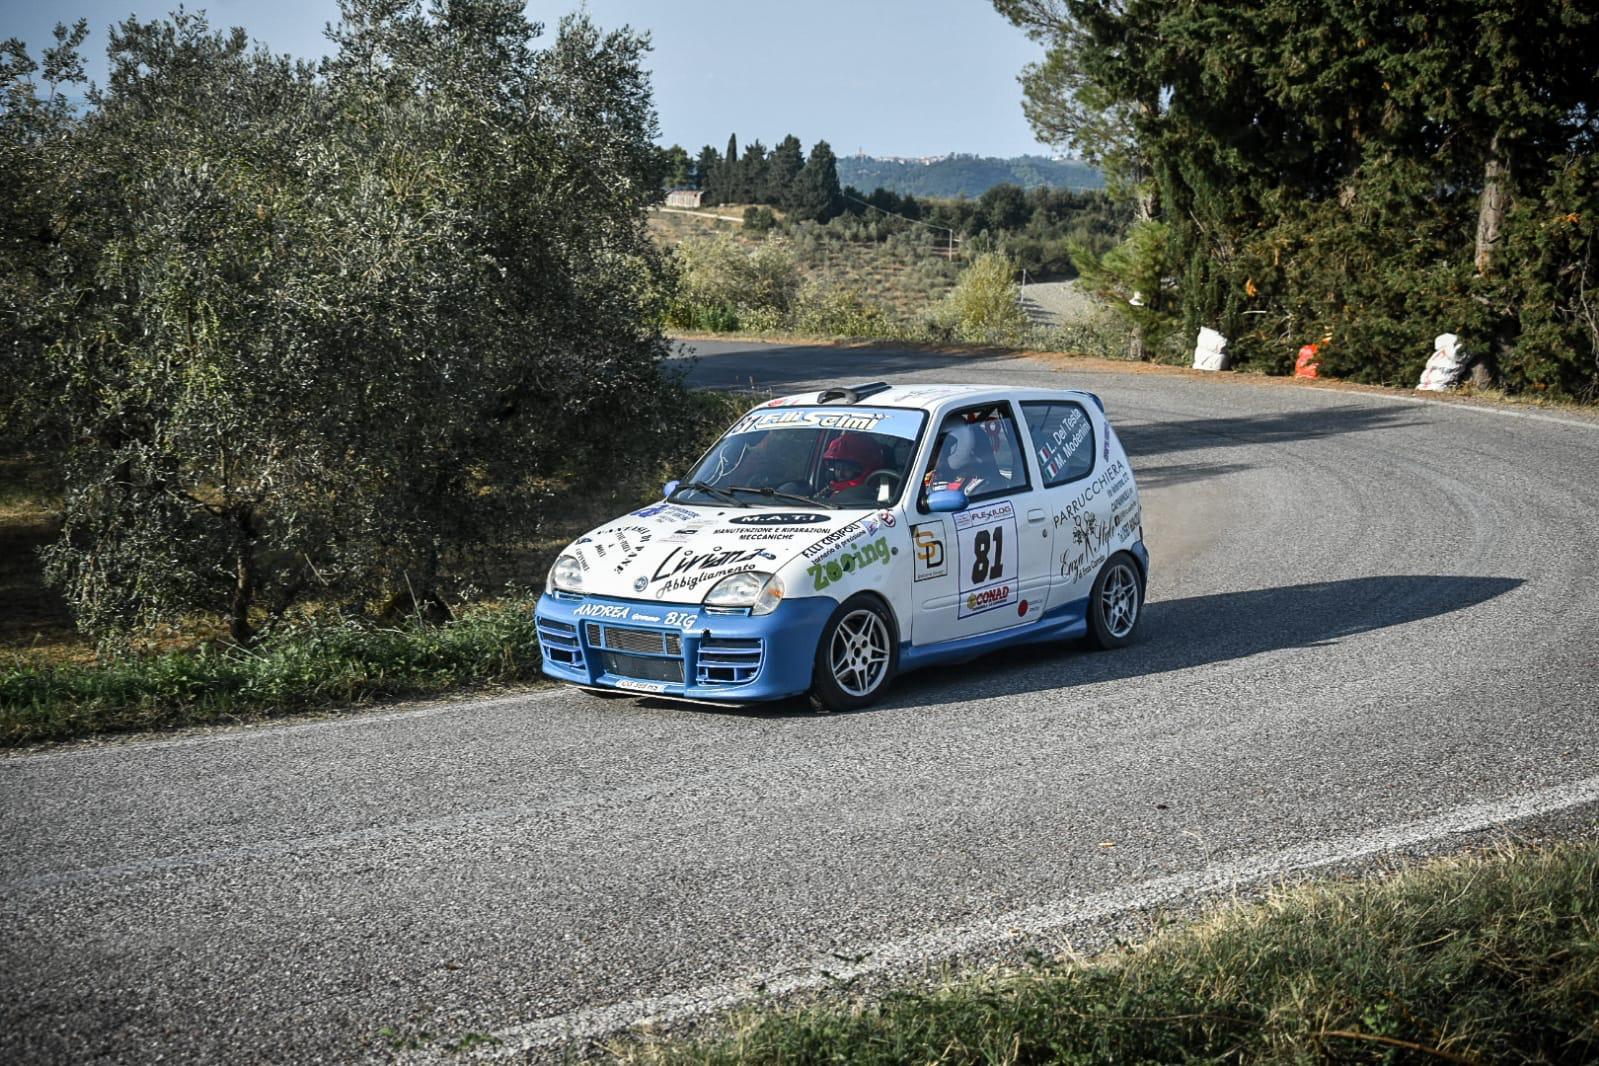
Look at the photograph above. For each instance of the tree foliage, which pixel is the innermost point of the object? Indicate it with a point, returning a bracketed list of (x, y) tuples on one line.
[(1334, 167), (327, 330)]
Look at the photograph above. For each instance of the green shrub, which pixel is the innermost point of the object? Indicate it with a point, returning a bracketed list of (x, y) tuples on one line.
[(299, 666), (985, 305), (723, 280), (829, 310)]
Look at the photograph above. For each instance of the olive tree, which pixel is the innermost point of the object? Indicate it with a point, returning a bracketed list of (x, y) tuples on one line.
[(331, 328)]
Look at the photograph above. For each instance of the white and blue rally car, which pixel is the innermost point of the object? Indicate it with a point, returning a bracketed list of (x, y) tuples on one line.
[(831, 540)]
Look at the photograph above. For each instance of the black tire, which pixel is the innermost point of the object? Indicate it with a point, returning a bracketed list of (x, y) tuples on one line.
[(853, 675), (1117, 593)]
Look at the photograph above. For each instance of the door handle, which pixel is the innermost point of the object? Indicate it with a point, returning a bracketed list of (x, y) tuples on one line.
[(1035, 515)]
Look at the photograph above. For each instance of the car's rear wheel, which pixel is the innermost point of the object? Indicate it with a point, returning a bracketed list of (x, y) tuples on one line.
[(1116, 603), (856, 656)]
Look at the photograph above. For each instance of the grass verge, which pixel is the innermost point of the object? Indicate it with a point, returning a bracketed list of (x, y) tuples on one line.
[(301, 667), (1485, 958)]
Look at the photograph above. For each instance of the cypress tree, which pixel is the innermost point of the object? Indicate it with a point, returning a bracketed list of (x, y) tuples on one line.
[(786, 161), (815, 195)]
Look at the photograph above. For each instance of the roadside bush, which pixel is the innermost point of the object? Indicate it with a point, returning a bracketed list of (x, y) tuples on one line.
[(984, 307), (722, 282), (309, 664), (759, 221), (827, 310)]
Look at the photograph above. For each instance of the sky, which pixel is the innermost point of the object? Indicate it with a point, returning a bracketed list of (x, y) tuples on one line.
[(888, 77)]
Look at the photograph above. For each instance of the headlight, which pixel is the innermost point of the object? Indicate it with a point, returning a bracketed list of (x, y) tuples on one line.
[(566, 575), (759, 592)]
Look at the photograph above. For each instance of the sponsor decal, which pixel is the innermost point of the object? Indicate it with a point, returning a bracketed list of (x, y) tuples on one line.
[(982, 516), (640, 686), (887, 517), (683, 569), (682, 619), (1111, 479), (841, 565), (1091, 540), (582, 560), (841, 535), (763, 418), (987, 543), (987, 599), (693, 579), (927, 544), (668, 511), (600, 610), (779, 518), (683, 534), (639, 616), (749, 535), (630, 540), (681, 560)]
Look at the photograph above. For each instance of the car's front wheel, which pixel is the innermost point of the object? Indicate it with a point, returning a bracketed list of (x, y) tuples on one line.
[(1116, 604), (856, 656)]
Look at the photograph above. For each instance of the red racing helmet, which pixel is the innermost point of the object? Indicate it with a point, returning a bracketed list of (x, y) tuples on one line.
[(849, 460)]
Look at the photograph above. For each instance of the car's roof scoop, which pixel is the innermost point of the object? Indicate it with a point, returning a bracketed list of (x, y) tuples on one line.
[(849, 394)]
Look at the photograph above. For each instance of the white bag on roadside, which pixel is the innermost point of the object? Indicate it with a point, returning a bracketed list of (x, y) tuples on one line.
[(1208, 354), (1447, 367)]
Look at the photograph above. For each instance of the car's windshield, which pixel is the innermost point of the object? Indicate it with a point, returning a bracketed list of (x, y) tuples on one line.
[(830, 456)]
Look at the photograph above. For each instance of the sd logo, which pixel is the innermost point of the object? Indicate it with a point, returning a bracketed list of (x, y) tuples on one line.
[(928, 546)]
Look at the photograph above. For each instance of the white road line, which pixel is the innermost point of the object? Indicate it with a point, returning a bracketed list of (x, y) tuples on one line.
[(228, 734), (957, 941)]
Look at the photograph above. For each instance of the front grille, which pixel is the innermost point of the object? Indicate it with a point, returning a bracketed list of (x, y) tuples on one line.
[(641, 667), (558, 643), (728, 660), (633, 641)]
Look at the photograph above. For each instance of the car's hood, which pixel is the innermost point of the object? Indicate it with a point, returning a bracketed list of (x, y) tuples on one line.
[(676, 554)]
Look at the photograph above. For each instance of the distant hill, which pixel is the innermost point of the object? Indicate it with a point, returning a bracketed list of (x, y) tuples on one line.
[(965, 175)]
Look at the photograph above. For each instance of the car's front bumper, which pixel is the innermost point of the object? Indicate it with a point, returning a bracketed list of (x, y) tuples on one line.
[(652, 649)]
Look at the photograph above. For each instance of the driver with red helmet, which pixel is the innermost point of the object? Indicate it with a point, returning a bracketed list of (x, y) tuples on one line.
[(849, 460)]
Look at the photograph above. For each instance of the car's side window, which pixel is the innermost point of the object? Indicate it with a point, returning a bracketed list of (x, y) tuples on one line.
[(978, 450), (1063, 440)]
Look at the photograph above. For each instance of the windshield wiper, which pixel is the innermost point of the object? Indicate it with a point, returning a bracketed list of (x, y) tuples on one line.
[(774, 494), (711, 490)]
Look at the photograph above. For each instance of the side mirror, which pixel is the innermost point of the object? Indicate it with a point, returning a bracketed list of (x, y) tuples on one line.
[(668, 489), (946, 501)]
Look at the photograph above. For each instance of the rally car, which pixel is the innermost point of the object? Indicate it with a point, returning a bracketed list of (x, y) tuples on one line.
[(833, 539)]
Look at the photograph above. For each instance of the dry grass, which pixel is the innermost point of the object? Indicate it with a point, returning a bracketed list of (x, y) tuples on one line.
[(1489, 958)]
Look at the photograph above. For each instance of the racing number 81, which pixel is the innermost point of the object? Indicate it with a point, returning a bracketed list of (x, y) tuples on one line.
[(984, 570)]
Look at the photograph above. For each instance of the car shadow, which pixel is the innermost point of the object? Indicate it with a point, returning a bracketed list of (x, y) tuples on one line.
[(1148, 439), (1186, 633), (1206, 630)]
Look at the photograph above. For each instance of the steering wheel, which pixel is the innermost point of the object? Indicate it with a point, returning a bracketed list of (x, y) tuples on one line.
[(890, 478)]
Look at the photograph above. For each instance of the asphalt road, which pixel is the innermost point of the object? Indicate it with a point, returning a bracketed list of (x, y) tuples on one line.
[(1373, 627)]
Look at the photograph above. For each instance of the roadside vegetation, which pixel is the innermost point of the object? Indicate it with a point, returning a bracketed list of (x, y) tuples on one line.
[(311, 366), (59, 683), (1332, 172), (1487, 958)]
